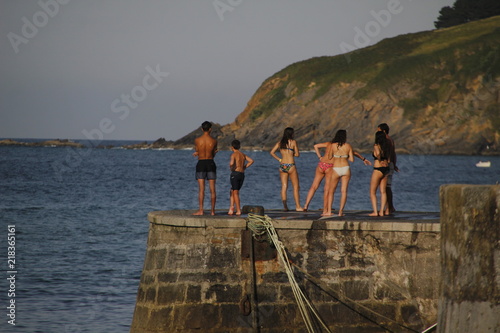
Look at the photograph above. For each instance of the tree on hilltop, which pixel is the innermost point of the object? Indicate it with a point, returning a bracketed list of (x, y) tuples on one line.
[(464, 11)]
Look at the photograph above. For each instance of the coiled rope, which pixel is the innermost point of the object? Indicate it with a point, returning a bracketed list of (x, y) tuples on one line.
[(263, 224)]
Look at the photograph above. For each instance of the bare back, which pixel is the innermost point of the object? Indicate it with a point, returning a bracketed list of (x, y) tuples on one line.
[(237, 162), (342, 154), (205, 146)]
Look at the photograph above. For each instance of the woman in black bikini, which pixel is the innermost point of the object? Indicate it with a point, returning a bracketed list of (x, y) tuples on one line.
[(381, 154), (288, 149)]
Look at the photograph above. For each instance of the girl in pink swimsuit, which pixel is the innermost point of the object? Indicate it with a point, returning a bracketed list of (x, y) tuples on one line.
[(323, 169)]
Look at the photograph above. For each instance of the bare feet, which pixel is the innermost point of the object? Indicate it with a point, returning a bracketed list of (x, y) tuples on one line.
[(299, 209), (285, 206), (212, 213), (238, 213), (200, 212), (373, 214), (326, 214), (341, 213)]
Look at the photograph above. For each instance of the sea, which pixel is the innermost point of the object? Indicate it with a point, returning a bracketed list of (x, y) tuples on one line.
[(74, 221)]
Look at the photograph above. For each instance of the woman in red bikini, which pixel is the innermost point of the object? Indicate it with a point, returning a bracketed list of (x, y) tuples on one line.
[(323, 169), (289, 150)]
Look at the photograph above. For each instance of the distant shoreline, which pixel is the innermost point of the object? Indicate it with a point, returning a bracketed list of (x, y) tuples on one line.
[(162, 144)]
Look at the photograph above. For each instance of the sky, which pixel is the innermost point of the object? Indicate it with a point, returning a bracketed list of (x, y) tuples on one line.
[(143, 70)]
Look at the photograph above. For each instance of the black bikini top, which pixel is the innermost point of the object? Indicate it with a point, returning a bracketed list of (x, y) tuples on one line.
[(382, 158)]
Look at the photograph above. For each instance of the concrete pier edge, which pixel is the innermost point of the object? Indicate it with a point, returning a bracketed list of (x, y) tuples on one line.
[(414, 221)]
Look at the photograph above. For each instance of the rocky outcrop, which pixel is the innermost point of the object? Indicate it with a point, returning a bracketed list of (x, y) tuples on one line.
[(47, 143), (161, 143)]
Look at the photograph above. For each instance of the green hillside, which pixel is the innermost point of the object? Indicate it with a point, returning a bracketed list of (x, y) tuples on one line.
[(430, 60)]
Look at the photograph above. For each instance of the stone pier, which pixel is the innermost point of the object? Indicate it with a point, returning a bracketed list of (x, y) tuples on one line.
[(362, 274), (470, 259)]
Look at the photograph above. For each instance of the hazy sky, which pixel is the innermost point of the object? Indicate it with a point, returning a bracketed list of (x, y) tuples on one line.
[(122, 69)]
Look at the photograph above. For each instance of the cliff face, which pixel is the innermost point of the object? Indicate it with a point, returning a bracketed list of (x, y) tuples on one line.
[(439, 91)]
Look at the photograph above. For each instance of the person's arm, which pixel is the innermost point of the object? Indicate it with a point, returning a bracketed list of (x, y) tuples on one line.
[(365, 161), (195, 154), (394, 156), (232, 162), (351, 155), (317, 147), (296, 152), (216, 150), (273, 152), (249, 161)]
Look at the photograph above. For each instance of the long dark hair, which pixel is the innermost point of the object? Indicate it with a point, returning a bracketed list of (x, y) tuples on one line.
[(340, 137), (287, 135), (381, 140)]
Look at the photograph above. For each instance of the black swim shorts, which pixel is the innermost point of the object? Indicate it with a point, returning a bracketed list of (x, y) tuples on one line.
[(237, 179), (206, 169)]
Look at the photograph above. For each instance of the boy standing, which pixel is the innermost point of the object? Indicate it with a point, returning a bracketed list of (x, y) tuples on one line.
[(205, 150), (238, 163)]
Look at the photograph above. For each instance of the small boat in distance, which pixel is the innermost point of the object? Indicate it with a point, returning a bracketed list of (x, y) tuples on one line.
[(485, 164)]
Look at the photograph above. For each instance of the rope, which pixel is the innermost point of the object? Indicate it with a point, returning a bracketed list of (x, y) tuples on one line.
[(261, 224), (353, 305)]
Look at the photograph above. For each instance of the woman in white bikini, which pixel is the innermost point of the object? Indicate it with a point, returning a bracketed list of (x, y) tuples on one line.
[(289, 150), (342, 154)]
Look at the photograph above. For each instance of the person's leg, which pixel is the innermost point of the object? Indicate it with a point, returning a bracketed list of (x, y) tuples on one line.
[(318, 177), (330, 187), (284, 188), (231, 202), (201, 196), (390, 206), (383, 196), (374, 184), (343, 198), (294, 177), (236, 194), (213, 196)]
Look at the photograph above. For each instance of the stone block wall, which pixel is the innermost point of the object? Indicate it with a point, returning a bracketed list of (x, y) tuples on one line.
[(197, 278), (470, 259)]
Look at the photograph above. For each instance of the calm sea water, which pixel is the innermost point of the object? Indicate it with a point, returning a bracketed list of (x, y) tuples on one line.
[(81, 227)]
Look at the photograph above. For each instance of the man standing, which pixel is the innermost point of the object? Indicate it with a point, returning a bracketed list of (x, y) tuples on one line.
[(392, 167), (205, 150)]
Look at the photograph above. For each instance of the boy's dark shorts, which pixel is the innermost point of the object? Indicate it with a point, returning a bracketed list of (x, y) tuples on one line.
[(237, 179)]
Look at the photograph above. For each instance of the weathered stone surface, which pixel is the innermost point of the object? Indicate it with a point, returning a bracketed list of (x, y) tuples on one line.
[(195, 275), (470, 259)]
